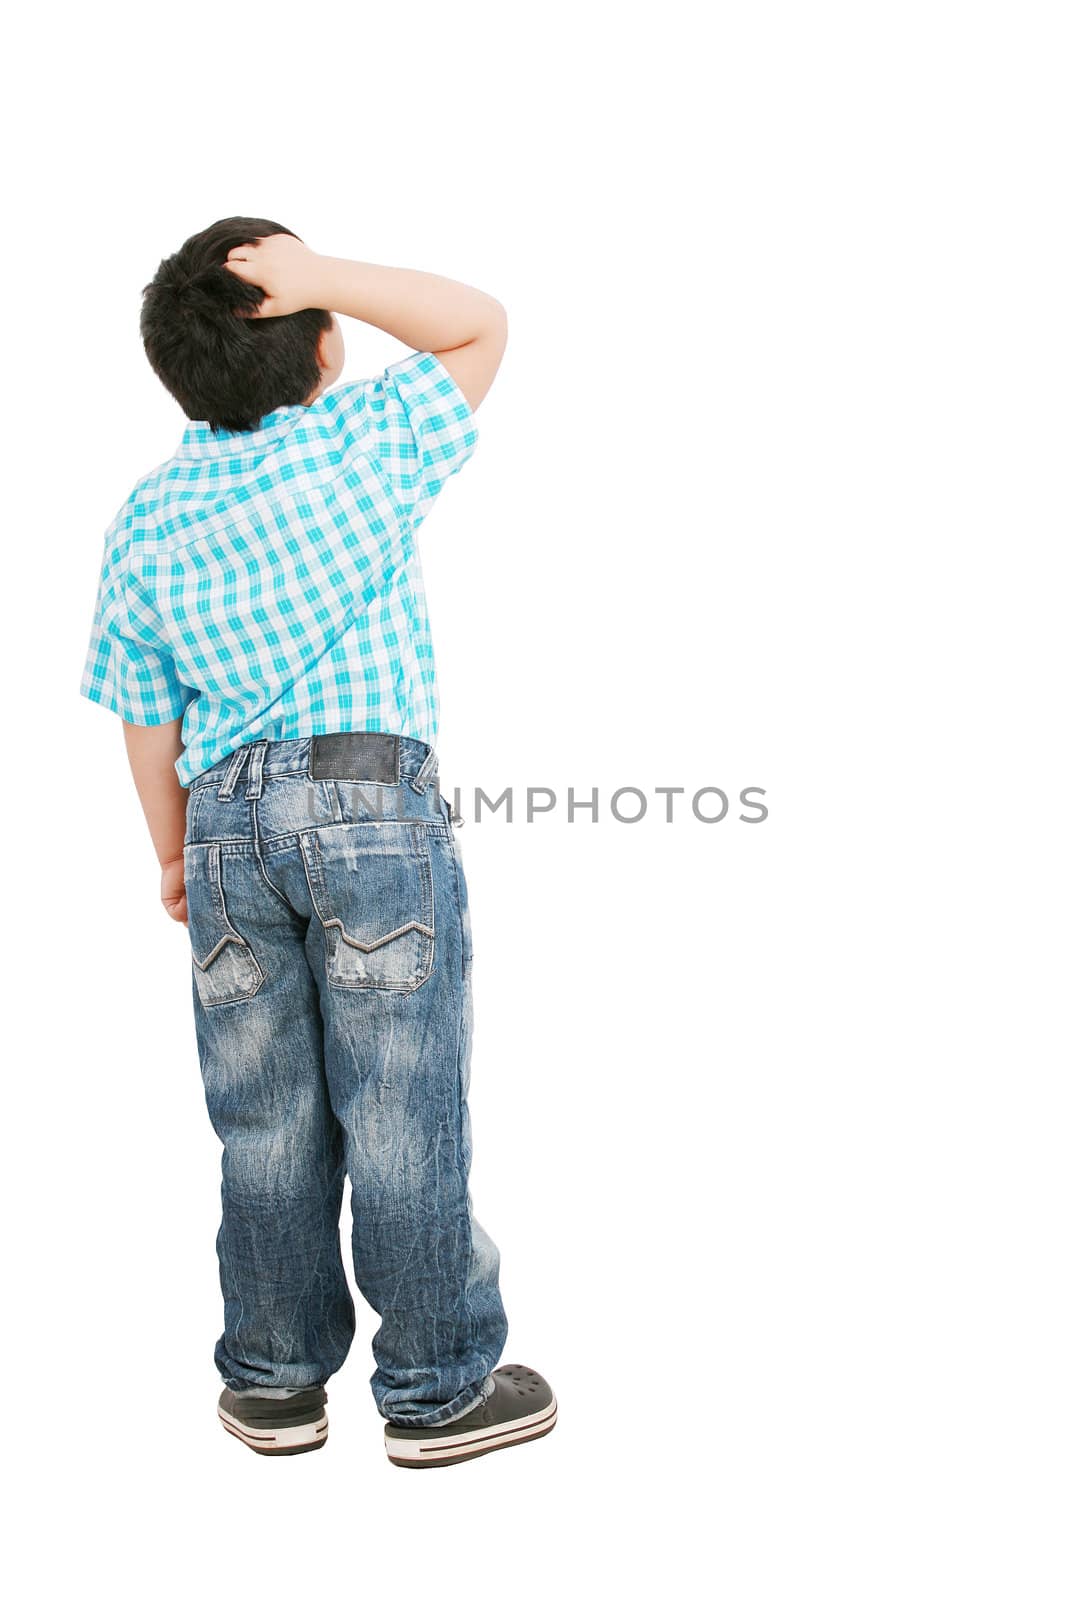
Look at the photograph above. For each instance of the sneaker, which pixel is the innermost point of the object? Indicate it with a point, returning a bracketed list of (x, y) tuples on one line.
[(521, 1407), (276, 1427)]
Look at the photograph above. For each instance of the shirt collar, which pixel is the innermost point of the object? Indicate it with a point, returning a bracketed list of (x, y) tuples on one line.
[(199, 439)]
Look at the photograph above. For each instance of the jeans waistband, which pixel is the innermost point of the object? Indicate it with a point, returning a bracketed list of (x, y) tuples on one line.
[(360, 757)]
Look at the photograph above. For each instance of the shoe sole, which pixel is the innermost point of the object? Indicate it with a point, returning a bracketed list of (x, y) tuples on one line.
[(277, 1441), (464, 1447)]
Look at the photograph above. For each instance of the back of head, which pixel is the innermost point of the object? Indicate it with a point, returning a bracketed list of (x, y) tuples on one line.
[(224, 367)]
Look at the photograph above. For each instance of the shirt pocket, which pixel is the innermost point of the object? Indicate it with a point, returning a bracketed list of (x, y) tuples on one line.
[(224, 967), (372, 888)]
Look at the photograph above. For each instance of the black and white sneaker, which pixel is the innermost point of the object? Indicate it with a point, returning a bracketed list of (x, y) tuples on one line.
[(520, 1407), (276, 1427)]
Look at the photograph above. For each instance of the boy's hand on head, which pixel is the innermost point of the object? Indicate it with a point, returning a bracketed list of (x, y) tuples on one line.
[(283, 267), (172, 890)]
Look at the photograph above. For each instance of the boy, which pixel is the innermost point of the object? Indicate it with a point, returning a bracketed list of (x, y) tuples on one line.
[(260, 628)]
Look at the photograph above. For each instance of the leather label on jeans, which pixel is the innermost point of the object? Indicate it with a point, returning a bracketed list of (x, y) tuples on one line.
[(357, 757)]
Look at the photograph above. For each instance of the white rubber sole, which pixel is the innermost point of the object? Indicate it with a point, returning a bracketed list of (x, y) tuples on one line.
[(423, 1452), (277, 1441)]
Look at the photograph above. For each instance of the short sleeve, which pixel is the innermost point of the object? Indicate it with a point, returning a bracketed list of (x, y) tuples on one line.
[(128, 668), (420, 426)]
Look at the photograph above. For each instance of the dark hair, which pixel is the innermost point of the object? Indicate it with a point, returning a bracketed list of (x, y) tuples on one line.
[(223, 367)]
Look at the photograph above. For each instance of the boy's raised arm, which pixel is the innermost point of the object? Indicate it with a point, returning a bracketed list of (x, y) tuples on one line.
[(464, 327)]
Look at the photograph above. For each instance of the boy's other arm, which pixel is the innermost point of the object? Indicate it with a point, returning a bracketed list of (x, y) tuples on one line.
[(152, 753), (464, 327)]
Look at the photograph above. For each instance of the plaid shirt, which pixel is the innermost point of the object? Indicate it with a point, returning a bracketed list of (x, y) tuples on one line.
[(266, 584)]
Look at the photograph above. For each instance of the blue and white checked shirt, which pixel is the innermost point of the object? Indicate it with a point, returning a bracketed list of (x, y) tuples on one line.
[(266, 584)]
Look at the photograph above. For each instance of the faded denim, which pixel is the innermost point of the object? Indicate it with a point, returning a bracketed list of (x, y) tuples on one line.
[(331, 979)]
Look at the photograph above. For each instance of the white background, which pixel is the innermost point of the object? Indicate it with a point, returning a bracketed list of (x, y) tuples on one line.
[(768, 1120)]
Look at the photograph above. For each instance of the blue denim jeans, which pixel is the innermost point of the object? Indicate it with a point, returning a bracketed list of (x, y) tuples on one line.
[(331, 976)]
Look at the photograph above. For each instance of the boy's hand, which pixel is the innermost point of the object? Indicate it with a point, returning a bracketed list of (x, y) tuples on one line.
[(284, 268), (172, 890)]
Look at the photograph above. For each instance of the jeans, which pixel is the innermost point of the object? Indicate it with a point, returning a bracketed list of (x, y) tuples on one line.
[(331, 978)]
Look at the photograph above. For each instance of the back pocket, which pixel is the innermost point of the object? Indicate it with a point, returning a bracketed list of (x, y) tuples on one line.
[(372, 889), (223, 964)]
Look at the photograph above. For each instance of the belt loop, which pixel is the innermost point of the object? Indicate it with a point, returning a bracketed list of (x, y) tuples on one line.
[(233, 772), (425, 774), (254, 786)]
